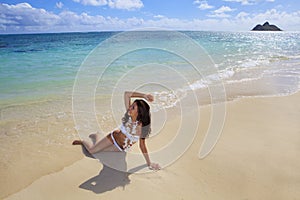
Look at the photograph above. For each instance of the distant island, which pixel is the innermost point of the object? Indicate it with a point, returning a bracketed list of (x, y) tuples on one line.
[(266, 27)]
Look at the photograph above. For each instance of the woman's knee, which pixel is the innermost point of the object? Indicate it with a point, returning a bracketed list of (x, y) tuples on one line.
[(92, 150)]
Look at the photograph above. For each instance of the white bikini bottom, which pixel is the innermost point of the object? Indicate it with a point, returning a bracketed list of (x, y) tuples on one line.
[(115, 142)]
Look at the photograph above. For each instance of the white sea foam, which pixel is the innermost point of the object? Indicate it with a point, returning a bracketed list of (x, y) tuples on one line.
[(237, 76), (167, 99)]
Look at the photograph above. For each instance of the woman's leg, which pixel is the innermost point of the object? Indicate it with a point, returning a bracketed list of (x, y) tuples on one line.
[(98, 146), (95, 137)]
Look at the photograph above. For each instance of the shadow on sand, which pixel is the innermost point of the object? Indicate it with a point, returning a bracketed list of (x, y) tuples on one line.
[(109, 178)]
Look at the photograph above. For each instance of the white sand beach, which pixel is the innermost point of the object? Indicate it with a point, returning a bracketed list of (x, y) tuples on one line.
[(256, 157)]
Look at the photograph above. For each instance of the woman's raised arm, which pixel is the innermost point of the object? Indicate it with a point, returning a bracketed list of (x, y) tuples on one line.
[(128, 95)]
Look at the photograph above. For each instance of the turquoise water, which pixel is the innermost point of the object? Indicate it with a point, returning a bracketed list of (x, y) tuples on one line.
[(41, 65), (37, 67)]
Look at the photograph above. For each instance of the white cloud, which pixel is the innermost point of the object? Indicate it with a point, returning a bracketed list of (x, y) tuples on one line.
[(59, 5), (203, 5), (224, 9), (243, 2), (22, 18), (23, 15), (248, 2), (92, 2), (219, 15), (242, 15), (117, 4), (20, 6), (126, 4), (196, 2), (159, 16), (68, 18), (221, 12)]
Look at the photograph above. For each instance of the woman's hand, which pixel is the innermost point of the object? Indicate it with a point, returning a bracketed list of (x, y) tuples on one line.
[(149, 97), (154, 166)]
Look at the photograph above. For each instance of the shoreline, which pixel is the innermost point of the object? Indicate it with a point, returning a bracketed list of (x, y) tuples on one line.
[(248, 156)]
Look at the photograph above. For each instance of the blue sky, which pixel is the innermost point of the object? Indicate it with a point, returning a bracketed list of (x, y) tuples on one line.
[(19, 16)]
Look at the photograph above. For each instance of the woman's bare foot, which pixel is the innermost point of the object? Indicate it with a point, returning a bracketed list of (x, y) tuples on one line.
[(77, 142)]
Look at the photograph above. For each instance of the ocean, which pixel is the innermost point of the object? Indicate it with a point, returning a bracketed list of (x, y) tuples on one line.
[(41, 69), (46, 79), (37, 67)]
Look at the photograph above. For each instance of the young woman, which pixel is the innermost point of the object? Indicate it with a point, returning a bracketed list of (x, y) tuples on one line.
[(135, 127)]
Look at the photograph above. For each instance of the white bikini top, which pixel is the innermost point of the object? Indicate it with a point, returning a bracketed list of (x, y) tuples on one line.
[(129, 129)]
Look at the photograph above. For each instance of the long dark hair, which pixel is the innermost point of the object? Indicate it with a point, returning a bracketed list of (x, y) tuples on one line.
[(144, 117)]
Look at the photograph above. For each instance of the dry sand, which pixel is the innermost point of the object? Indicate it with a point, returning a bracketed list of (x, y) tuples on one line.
[(256, 157)]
